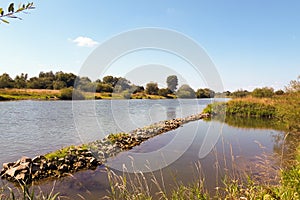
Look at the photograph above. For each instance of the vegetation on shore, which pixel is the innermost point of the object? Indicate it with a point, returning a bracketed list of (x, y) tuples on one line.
[(62, 84), (283, 109), (279, 112)]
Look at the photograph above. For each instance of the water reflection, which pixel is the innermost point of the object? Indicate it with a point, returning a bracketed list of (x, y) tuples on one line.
[(171, 112), (285, 144)]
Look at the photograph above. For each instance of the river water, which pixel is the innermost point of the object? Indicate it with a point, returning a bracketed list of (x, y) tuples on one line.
[(37, 127)]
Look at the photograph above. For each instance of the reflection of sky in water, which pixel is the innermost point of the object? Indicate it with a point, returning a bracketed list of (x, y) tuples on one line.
[(37, 127)]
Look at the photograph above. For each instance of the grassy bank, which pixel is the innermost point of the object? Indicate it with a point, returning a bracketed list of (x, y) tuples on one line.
[(27, 94), (283, 109), (66, 94)]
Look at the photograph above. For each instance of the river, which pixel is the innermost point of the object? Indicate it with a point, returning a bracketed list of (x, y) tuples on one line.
[(37, 127)]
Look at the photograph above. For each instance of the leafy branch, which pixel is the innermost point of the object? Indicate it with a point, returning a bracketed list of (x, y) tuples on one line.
[(12, 12)]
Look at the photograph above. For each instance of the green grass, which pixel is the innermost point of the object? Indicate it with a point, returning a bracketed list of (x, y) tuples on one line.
[(113, 137), (284, 109), (61, 153), (28, 94), (43, 94)]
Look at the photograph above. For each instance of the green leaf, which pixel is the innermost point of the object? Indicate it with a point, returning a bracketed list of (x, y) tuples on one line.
[(5, 21)]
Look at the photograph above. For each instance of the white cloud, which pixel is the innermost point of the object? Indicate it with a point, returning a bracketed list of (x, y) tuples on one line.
[(85, 42)]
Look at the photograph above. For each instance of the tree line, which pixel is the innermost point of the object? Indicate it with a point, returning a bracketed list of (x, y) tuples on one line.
[(109, 84)]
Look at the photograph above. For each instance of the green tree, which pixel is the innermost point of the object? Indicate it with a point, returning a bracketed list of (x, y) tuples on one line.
[(67, 78), (104, 87), (20, 81), (85, 84), (6, 81), (264, 92), (136, 89), (12, 11), (172, 82), (71, 94), (57, 85), (240, 93), (185, 91), (110, 80), (152, 88), (164, 92), (205, 93), (122, 84), (279, 92)]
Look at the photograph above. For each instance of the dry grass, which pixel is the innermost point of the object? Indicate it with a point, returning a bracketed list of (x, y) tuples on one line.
[(32, 91)]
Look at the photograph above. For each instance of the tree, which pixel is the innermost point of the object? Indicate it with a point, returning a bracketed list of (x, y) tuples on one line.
[(136, 89), (85, 84), (20, 81), (12, 12), (57, 85), (152, 88), (185, 91), (104, 87), (294, 85), (67, 78), (205, 93), (279, 92), (240, 93), (6, 81), (172, 82), (71, 94), (110, 80), (264, 92), (122, 84), (164, 92)]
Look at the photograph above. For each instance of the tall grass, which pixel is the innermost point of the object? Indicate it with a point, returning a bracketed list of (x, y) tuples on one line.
[(24, 192), (235, 186), (285, 109)]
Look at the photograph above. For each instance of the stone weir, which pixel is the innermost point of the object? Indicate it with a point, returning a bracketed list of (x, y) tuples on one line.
[(87, 156)]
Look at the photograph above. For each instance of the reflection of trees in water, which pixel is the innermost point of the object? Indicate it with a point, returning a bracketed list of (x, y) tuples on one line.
[(285, 143), (171, 112)]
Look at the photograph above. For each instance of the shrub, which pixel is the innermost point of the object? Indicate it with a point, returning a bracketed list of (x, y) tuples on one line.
[(71, 94), (263, 92), (185, 91)]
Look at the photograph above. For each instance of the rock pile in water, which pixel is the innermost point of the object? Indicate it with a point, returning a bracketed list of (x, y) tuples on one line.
[(26, 170), (115, 143)]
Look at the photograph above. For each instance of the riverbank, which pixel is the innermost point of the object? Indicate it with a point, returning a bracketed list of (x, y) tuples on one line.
[(44, 94), (283, 109), (86, 156), (281, 113)]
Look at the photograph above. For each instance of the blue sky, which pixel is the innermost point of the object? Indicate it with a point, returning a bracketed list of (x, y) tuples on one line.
[(252, 43)]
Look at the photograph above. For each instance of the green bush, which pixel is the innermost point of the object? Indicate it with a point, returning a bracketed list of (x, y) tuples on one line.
[(71, 94), (263, 92), (185, 91)]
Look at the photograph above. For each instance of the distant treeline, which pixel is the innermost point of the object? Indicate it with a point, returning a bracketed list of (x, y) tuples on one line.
[(111, 84)]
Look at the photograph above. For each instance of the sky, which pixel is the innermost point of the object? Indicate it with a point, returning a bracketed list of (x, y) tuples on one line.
[(251, 43)]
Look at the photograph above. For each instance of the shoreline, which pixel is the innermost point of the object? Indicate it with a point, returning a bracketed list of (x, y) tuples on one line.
[(71, 159), (54, 95)]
